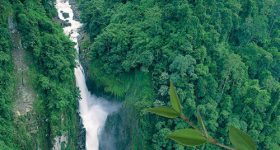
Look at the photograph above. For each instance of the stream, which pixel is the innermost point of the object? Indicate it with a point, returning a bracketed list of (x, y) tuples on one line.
[(93, 110)]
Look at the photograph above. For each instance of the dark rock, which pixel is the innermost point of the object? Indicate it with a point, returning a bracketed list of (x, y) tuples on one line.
[(82, 136), (118, 134), (65, 15), (66, 23), (75, 9)]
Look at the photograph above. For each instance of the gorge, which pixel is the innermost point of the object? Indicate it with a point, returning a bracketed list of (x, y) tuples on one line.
[(93, 110), (91, 80)]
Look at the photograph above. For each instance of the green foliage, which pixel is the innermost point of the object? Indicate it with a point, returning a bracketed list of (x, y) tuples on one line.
[(187, 137), (174, 99), (241, 140), (195, 137), (7, 128), (222, 55), (115, 86), (164, 111), (51, 60)]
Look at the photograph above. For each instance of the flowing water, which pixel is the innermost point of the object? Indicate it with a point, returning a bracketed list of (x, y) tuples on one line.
[(93, 110)]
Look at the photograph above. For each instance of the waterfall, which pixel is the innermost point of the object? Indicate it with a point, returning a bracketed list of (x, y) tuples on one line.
[(93, 110)]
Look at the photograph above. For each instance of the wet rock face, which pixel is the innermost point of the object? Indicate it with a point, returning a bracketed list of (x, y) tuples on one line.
[(82, 136), (118, 134), (24, 93)]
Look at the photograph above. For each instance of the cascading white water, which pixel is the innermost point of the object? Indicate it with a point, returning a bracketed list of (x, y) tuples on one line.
[(93, 110)]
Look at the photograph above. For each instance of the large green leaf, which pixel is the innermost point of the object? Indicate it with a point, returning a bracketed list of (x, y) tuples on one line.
[(240, 140), (187, 137), (174, 98), (164, 112)]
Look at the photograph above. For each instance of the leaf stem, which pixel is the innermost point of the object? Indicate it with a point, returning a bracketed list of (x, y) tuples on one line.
[(215, 142), (209, 139), (187, 120)]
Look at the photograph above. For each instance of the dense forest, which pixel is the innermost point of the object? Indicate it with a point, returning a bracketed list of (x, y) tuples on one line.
[(6, 78), (50, 56), (222, 55)]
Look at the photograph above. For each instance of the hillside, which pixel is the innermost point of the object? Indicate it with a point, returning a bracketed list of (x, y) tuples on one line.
[(222, 55), (38, 95)]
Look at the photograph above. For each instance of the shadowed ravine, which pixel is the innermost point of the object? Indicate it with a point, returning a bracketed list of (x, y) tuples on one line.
[(93, 110)]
